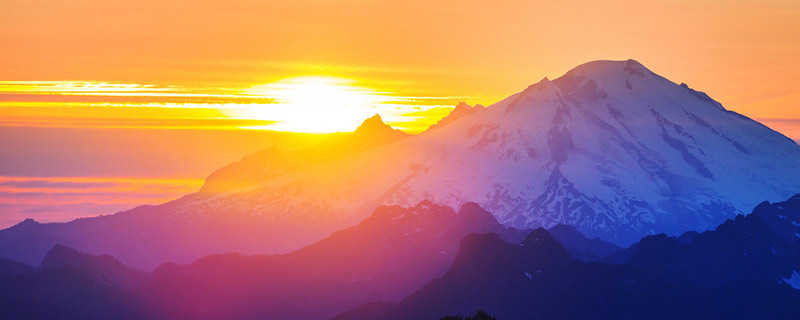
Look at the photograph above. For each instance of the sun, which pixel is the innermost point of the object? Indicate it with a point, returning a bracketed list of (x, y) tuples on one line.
[(314, 104)]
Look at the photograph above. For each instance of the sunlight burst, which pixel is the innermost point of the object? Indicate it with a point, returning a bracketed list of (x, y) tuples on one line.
[(315, 104)]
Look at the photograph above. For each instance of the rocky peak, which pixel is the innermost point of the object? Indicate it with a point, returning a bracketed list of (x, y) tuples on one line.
[(461, 110)]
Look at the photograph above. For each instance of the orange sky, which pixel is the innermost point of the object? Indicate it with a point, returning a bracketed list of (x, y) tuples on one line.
[(743, 53), (199, 67)]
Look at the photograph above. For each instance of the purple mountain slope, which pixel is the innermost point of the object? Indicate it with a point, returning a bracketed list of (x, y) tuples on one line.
[(386, 256), (746, 268), (610, 147)]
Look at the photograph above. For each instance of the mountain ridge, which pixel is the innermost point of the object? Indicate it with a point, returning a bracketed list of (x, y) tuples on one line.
[(610, 148), (741, 269), (255, 168), (462, 109)]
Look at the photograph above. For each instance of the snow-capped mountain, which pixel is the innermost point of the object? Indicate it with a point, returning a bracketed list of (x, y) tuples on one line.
[(610, 148)]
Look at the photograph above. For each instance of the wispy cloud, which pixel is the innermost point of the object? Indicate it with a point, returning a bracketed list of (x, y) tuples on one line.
[(303, 104), (133, 123)]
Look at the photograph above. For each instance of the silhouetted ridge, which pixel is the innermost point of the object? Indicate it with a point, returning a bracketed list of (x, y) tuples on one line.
[(107, 267), (373, 132), (655, 249), (10, 267), (386, 256), (434, 261), (546, 246), (782, 217), (65, 293), (687, 237), (742, 270), (374, 124), (480, 315), (27, 223), (60, 256), (580, 247), (461, 110), (478, 246), (539, 237)]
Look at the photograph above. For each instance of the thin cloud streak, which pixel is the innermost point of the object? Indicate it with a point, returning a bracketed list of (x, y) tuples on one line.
[(279, 105)]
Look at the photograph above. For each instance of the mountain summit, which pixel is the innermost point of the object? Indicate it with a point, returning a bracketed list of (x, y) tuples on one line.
[(619, 152), (268, 163), (461, 110), (373, 132), (610, 147), (375, 125)]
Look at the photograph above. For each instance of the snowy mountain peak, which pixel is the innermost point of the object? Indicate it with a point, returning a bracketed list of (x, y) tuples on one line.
[(610, 68), (599, 79), (542, 91), (609, 147), (611, 142)]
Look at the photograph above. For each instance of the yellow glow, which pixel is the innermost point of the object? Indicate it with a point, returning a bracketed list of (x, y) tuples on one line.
[(314, 104), (75, 87), (307, 104)]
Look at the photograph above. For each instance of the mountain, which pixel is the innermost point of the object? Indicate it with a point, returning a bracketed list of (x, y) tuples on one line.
[(746, 268), (110, 270), (480, 315), (782, 217), (70, 285), (387, 256), (12, 267), (262, 165), (580, 247), (610, 147), (147, 236), (64, 293), (461, 110), (489, 273), (743, 269)]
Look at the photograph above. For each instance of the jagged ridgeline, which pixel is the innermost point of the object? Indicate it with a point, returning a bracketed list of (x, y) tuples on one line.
[(610, 147)]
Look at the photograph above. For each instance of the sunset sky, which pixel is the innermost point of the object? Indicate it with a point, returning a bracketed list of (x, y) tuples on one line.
[(100, 100)]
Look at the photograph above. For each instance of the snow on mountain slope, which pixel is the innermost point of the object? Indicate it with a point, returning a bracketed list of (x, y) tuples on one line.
[(610, 147)]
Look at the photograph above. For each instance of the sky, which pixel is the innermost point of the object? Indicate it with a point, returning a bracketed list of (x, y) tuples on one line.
[(154, 92)]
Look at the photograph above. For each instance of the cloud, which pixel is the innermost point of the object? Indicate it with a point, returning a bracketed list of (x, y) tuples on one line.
[(283, 105), (54, 199), (141, 123)]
